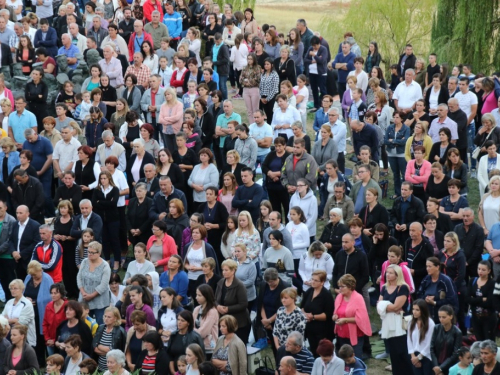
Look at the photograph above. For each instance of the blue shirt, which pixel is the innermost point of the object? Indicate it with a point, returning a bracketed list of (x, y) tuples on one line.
[(261, 132), (41, 149), (360, 199), (349, 59), (72, 51), (405, 204), (138, 42), (179, 284), (494, 236), (19, 123)]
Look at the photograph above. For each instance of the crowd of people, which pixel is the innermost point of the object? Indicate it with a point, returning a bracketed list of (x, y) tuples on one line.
[(222, 214)]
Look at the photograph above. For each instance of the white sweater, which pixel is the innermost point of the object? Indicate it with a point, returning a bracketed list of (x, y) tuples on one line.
[(309, 264), (26, 317), (239, 56), (300, 238), (132, 269), (413, 340)]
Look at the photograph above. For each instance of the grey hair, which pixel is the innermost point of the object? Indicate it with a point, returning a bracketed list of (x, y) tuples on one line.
[(67, 126), (155, 12), (117, 355), (469, 209), (297, 337), (140, 141), (46, 226), (63, 6), (5, 11), (99, 9), (285, 47), (107, 134), (443, 105), (490, 345), (298, 124), (338, 212), (67, 35), (18, 24), (99, 17), (453, 100), (109, 45), (411, 70), (334, 109), (271, 274), (475, 350), (29, 132), (149, 164), (70, 5), (455, 79), (164, 178), (83, 201), (141, 185)]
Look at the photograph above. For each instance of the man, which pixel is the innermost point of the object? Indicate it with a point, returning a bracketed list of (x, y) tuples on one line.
[(471, 237), (406, 61), (173, 21), (262, 132), (62, 23), (70, 51), (407, 93), (453, 86), (46, 37), (416, 251), (99, 11), (405, 210), (97, 31), (492, 246), (432, 69), (461, 118), (6, 58), (28, 191), (467, 101), (12, 13), (44, 10), (7, 263), (14, 39), (42, 162), (353, 261), (467, 73), (5, 33), (288, 366), (126, 27), (87, 219), (294, 347), (151, 101), (299, 164), (365, 159), (150, 7), (24, 237), (249, 196), (137, 38), (156, 29), (230, 141), (339, 131), (358, 191), (221, 130), (275, 224), (5, 13), (70, 191), (92, 45), (443, 121), (77, 39), (48, 252), (20, 120), (354, 46), (305, 34), (344, 63), (110, 148), (365, 135), (220, 58), (159, 208), (62, 120), (151, 181), (111, 66), (65, 152), (141, 71), (116, 41)]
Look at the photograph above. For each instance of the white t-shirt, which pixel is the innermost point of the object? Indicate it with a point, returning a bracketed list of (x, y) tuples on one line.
[(466, 101), (122, 184), (114, 299), (195, 257), (302, 106), (433, 98), (491, 207)]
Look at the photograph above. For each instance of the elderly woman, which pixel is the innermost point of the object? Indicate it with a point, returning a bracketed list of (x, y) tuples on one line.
[(137, 161), (351, 318), (171, 112), (489, 363), (138, 221), (204, 174), (333, 232), (209, 277), (92, 280), (109, 335), (316, 258), (289, 317), (8, 152), (6, 106), (55, 314), (74, 324), (488, 164), (285, 66), (160, 246), (230, 355), (20, 358), (116, 362), (150, 144), (74, 355), (488, 132), (134, 344), (298, 132)]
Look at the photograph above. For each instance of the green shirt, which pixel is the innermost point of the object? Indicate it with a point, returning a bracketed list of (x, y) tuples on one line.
[(222, 121)]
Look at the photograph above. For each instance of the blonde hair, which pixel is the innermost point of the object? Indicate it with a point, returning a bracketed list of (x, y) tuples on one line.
[(400, 280), (8, 142), (116, 314), (96, 246), (353, 79), (493, 178), (230, 263), (424, 125), (6, 101), (290, 292), (242, 246), (75, 126), (251, 228), (328, 129), (454, 237), (34, 266), (235, 154), (174, 96)]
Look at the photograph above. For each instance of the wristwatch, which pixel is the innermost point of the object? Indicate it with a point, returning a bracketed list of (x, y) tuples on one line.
[(420, 357)]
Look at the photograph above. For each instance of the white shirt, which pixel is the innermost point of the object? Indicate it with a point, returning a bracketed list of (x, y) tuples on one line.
[(433, 98), (339, 131), (466, 101), (407, 95), (66, 152), (362, 79), (85, 222), (121, 183), (22, 227)]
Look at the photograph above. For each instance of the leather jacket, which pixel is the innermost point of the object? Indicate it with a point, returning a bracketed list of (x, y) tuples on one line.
[(451, 341), (118, 337)]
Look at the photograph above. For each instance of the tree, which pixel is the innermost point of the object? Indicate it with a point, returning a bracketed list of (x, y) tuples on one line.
[(240, 5), (392, 24)]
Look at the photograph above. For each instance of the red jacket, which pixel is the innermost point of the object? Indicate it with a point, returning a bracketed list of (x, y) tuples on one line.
[(131, 42), (177, 80), (51, 260), (148, 8), (169, 249), (51, 320)]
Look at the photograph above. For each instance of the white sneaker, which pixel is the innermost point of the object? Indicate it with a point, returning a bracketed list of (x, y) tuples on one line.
[(382, 356)]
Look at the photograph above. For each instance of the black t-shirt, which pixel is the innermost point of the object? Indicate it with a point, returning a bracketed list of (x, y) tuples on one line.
[(402, 290), (431, 71)]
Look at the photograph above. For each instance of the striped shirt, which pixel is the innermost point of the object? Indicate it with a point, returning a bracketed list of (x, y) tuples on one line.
[(106, 340), (148, 364)]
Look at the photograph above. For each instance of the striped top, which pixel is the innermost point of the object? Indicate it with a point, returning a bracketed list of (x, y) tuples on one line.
[(106, 340), (148, 364)]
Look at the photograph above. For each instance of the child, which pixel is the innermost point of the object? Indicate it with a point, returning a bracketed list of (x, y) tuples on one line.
[(464, 367), (166, 50), (353, 365), (394, 77), (358, 108), (189, 97), (85, 106), (78, 105), (165, 71), (91, 322), (207, 63), (82, 247), (181, 365), (55, 362)]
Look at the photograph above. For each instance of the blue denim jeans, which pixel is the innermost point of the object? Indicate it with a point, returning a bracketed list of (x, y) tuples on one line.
[(223, 86), (398, 166), (471, 133)]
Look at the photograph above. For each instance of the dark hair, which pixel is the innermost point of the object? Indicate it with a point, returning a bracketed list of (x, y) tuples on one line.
[(448, 309), (172, 292), (489, 143), (89, 363), (115, 278), (188, 317), (315, 41), (278, 236), (208, 293), (76, 307), (325, 348), (59, 287), (75, 341), (153, 338), (234, 219), (207, 368), (270, 61), (299, 212), (247, 169), (487, 263), (147, 298), (447, 132), (41, 51), (463, 351), (133, 77), (424, 318), (380, 227), (160, 224), (428, 218)]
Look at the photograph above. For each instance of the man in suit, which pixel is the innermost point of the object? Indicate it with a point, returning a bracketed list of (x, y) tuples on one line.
[(87, 219), (7, 263), (151, 181), (24, 237), (28, 191)]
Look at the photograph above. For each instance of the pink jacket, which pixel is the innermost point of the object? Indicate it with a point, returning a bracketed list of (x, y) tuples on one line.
[(356, 308), (406, 275), (172, 116), (209, 327), (425, 172), (169, 249), (8, 94)]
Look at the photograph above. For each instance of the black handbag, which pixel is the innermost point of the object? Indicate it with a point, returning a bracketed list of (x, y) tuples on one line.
[(258, 329), (264, 370)]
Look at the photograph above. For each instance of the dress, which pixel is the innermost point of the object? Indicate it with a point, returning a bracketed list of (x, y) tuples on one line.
[(69, 267)]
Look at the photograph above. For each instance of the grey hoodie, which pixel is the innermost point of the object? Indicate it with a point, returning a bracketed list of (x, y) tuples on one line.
[(309, 205), (155, 291), (247, 273), (247, 149)]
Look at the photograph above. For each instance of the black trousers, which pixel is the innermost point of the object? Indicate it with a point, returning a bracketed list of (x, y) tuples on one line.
[(341, 162), (268, 109), (280, 199), (400, 359), (485, 327), (243, 333), (342, 87), (7, 274)]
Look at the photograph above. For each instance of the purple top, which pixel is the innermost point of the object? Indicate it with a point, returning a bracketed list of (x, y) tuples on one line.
[(150, 316)]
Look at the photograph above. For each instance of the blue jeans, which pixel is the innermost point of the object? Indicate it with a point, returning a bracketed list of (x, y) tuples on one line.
[(98, 315), (398, 166), (223, 86), (299, 70), (51, 350), (471, 133)]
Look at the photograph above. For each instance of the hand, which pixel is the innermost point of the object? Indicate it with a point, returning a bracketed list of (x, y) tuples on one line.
[(436, 370), (208, 226), (328, 245), (84, 188), (368, 233), (341, 321), (50, 342), (378, 280), (486, 231), (414, 360), (337, 291), (335, 317), (397, 227), (402, 227), (16, 255), (162, 215)]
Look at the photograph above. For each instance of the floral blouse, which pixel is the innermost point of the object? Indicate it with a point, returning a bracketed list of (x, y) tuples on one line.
[(223, 354), (250, 77), (252, 242), (287, 323)]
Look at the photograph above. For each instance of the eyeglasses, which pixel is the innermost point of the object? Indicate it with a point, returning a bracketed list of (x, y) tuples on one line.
[(301, 185), (359, 172), (92, 252)]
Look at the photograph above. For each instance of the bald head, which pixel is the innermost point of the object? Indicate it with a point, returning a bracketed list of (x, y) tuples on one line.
[(22, 213), (288, 366)]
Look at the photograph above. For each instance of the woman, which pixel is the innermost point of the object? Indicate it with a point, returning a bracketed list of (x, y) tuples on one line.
[(487, 165), (333, 232), (446, 339), (166, 323), (419, 338), (138, 221), (395, 142), (373, 213), (165, 166), (138, 266), (419, 115), (209, 33), (74, 355), (302, 98), (6, 110), (204, 119), (116, 362), (489, 131), (435, 95), (195, 219), (246, 146), (176, 278), (25, 54), (149, 56), (303, 198), (437, 186), (193, 35), (250, 81), (206, 317), (289, 318), (132, 94), (160, 246), (6, 94), (9, 158), (193, 140), (300, 234), (248, 235), (226, 194), (55, 314), (454, 204), (373, 58), (330, 177), (108, 336), (272, 46), (231, 298), (140, 300), (352, 82), (273, 163), (129, 131), (134, 345), (185, 159), (208, 277), (153, 357), (94, 80), (246, 273), (298, 132), (437, 289), (489, 209), (20, 353), (420, 72), (92, 280), (327, 363), (434, 236), (268, 87), (317, 306), (249, 23), (204, 174), (350, 316), (490, 87), (96, 100), (36, 93), (239, 54), (183, 337), (285, 65), (118, 118), (94, 127), (443, 221), (73, 325), (456, 168), (316, 258), (321, 115), (230, 351), (440, 149), (176, 220), (86, 170), (50, 132), (418, 171), (137, 161), (62, 233), (481, 301), (170, 118)]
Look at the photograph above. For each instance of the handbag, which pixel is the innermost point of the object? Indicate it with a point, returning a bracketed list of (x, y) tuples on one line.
[(477, 150), (264, 370), (405, 320)]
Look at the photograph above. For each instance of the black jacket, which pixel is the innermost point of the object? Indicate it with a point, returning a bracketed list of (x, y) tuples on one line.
[(6, 55), (443, 96), (29, 239), (155, 187), (147, 159), (472, 242), (175, 228), (118, 337), (423, 251), (379, 214), (439, 236), (138, 218), (454, 268), (198, 80), (161, 363), (33, 93), (435, 151), (31, 57), (287, 71), (222, 62), (32, 196), (480, 139), (487, 289), (332, 234), (260, 297), (83, 331), (378, 252), (444, 224), (355, 264), (479, 369), (73, 194), (95, 222), (461, 119), (415, 212), (106, 206), (237, 173), (451, 341), (266, 168), (160, 203), (191, 337), (207, 124), (409, 64)]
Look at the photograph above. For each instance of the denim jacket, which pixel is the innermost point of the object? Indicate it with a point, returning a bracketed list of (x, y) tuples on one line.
[(398, 140)]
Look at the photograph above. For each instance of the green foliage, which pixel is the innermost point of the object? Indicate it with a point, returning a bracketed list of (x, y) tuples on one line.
[(240, 5), (392, 24)]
